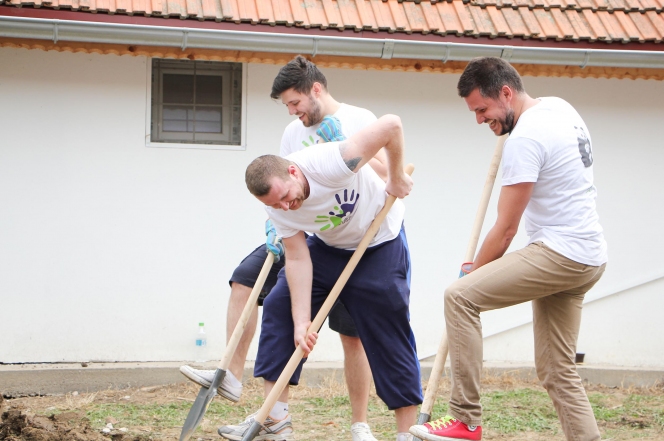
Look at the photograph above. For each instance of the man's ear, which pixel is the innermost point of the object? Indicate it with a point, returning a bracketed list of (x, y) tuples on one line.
[(292, 170), (507, 93), (316, 89)]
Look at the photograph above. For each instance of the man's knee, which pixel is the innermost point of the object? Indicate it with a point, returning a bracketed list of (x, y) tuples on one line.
[(452, 296), (551, 373), (351, 343), (239, 291)]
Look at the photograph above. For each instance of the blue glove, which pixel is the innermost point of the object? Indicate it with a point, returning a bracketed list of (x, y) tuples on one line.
[(273, 242), (465, 269), (330, 129)]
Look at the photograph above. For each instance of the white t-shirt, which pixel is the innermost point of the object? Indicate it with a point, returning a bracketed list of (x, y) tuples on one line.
[(296, 136), (341, 204), (551, 147)]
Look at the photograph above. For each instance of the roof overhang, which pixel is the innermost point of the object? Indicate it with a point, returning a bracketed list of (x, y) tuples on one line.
[(350, 47)]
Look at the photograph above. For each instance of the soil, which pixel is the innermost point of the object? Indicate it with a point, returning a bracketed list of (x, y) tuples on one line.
[(33, 418), (63, 417), (19, 425)]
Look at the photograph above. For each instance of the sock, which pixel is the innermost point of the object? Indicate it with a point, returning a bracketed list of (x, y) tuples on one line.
[(401, 436), (279, 411), (232, 380)]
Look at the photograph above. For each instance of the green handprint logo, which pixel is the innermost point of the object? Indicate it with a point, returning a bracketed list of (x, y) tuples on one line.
[(336, 217), (331, 221), (310, 143)]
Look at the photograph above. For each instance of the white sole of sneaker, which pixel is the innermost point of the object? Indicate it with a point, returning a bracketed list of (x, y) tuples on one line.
[(204, 383), (196, 379), (271, 437), (425, 435)]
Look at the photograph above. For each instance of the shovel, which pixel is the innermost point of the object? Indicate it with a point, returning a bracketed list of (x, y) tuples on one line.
[(294, 361), (205, 395), (441, 355)]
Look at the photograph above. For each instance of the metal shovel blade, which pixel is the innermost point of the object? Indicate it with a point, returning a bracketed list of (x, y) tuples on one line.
[(421, 419), (198, 409), (253, 430)]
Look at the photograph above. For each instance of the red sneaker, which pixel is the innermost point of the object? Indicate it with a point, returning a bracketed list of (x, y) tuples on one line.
[(447, 428)]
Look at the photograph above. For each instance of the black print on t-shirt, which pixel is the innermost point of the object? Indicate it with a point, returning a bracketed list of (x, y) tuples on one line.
[(584, 147)]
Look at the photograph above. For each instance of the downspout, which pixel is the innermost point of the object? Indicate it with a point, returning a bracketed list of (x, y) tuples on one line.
[(112, 33)]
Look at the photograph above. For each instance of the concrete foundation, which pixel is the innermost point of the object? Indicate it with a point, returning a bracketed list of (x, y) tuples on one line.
[(61, 378)]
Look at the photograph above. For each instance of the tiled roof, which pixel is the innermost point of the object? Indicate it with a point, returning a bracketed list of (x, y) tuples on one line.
[(610, 21)]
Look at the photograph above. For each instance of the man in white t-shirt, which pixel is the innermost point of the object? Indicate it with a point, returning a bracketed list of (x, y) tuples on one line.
[(547, 179), (302, 88), (327, 191)]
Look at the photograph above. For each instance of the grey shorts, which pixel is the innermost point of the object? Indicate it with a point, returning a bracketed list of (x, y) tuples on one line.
[(247, 272)]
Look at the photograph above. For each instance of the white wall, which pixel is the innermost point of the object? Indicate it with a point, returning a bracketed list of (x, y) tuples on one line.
[(110, 250)]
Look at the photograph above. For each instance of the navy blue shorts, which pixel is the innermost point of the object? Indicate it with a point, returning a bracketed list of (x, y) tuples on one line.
[(376, 295), (247, 272)]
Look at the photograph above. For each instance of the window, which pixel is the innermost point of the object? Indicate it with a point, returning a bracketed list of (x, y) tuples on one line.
[(196, 102)]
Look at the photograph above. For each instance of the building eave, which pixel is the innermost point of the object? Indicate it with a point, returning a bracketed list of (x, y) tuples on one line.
[(374, 47)]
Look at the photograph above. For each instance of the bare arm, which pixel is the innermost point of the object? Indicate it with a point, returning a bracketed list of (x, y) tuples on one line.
[(379, 164), (511, 205), (299, 273), (387, 131)]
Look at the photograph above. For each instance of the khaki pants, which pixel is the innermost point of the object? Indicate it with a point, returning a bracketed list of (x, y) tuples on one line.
[(556, 285)]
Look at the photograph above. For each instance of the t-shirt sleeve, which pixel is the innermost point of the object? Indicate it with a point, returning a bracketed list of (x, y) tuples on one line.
[(523, 158), (368, 117), (325, 164), (362, 120)]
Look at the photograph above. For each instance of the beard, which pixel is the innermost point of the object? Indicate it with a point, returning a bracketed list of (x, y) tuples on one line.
[(507, 124), (314, 116)]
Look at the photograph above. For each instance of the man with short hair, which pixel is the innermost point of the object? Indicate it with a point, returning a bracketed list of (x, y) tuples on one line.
[(327, 190), (302, 87), (548, 178)]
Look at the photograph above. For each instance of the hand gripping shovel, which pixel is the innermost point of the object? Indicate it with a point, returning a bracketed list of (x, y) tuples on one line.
[(272, 397), (441, 355), (205, 395)]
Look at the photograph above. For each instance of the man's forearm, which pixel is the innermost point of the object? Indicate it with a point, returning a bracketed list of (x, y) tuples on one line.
[(299, 275), (494, 246), (511, 205), (379, 164), (394, 149)]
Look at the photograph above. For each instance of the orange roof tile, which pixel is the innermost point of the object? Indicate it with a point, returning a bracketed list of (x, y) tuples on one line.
[(451, 22), (331, 11), (350, 14), (282, 12), (432, 17), (619, 21), (415, 18), (517, 25), (499, 21)]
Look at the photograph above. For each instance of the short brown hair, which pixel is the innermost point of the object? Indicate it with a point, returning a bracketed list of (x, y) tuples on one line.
[(260, 172), (489, 75), (298, 74)]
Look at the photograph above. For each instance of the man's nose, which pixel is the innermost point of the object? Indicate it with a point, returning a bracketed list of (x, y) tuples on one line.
[(480, 118), (284, 205), (292, 110)]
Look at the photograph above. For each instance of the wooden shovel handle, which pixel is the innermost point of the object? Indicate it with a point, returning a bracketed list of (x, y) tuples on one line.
[(252, 303), (441, 355)]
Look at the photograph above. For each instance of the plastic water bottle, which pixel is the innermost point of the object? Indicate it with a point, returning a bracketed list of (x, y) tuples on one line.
[(201, 343)]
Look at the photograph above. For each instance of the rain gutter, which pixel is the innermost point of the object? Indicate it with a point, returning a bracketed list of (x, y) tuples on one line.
[(183, 38)]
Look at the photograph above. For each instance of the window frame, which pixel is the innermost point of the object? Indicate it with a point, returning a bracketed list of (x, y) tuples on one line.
[(193, 145)]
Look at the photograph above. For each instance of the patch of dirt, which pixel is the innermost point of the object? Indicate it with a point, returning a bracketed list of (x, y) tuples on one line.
[(20, 425)]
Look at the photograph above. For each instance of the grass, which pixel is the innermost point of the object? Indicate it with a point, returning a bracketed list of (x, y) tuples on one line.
[(513, 409), (158, 416)]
